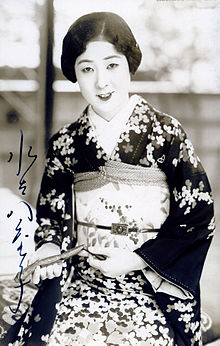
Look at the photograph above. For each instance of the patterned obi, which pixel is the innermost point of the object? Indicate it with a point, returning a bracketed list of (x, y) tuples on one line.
[(119, 206)]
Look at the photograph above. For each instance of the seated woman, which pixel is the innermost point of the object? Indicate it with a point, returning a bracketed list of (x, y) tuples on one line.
[(124, 182)]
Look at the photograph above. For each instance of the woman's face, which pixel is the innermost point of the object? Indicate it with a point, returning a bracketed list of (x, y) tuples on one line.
[(104, 78)]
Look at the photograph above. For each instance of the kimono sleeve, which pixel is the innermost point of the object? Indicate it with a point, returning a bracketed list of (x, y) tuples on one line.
[(55, 193), (178, 253)]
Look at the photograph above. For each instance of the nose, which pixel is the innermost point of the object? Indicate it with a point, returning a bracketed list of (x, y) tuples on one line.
[(102, 79)]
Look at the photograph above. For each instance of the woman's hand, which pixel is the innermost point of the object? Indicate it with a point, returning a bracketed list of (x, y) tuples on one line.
[(50, 271), (118, 261)]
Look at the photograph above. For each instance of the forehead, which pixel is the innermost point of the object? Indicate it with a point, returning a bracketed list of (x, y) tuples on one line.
[(98, 50)]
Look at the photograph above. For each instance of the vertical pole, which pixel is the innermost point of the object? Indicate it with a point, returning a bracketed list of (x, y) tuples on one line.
[(45, 91), (50, 73)]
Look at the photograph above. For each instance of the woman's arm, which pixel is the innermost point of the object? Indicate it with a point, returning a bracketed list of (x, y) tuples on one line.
[(178, 253), (55, 191)]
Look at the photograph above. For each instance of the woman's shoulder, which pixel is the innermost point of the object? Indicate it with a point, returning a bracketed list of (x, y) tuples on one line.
[(69, 129), (159, 119)]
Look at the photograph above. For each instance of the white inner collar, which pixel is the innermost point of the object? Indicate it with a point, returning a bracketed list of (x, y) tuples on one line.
[(108, 132)]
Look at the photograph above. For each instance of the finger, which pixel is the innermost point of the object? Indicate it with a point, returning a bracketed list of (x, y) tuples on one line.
[(83, 253), (43, 273), (49, 272), (57, 269), (36, 276), (99, 250), (93, 262)]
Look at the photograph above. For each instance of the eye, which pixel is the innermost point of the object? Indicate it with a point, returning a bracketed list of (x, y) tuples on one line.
[(87, 69), (112, 66)]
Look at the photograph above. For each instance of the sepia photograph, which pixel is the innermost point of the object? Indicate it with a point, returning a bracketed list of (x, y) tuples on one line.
[(109, 172)]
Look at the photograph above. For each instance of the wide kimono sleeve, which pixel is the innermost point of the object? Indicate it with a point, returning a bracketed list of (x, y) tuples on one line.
[(55, 198), (178, 253)]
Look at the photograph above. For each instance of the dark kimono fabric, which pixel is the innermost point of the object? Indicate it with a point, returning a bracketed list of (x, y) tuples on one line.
[(150, 139)]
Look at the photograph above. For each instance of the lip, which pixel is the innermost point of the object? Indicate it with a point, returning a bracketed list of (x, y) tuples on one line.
[(105, 96)]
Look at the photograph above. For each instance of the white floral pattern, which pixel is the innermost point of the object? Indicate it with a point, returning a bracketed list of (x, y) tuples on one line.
[(189, 197), (92, 304), (150, 139)]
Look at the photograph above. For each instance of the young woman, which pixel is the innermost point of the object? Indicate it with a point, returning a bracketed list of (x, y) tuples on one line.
[(124, 182)]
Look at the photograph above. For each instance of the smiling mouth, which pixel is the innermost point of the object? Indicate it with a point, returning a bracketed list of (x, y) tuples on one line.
[(105, 97)]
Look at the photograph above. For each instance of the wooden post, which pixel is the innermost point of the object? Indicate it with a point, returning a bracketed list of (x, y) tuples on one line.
[(49, 93), (45, 91)]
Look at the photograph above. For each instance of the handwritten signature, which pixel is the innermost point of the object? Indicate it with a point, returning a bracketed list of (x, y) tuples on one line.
[(22, 186), (18, 230), (22, 183)]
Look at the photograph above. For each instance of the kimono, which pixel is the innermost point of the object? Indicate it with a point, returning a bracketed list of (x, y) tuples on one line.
[(149, 195)]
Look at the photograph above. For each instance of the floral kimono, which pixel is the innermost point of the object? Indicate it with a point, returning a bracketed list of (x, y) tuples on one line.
[(149, 194)]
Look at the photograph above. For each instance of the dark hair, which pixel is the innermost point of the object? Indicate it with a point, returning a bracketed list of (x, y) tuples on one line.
[(107, 25)]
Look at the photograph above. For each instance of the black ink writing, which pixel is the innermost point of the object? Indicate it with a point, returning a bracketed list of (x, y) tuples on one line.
[(22, 186), (22, 182), (10, 157), (21, 253)]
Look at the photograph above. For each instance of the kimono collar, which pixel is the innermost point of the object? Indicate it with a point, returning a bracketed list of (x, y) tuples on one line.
[(108, 132)]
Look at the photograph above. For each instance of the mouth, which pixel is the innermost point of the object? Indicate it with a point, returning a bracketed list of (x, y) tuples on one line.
[(105, 97)]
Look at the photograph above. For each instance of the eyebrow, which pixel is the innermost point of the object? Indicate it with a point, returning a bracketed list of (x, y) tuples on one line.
[(106, 58), (112, 56)]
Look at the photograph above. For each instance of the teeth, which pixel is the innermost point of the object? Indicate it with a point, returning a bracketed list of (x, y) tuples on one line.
[(105, 95)]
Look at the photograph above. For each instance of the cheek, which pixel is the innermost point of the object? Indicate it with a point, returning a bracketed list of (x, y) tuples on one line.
[(84, 84), (124, 76), (124, 80), (87, 90)]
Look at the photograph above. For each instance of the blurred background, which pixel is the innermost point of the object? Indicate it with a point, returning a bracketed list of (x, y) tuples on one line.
[(179, 74)]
